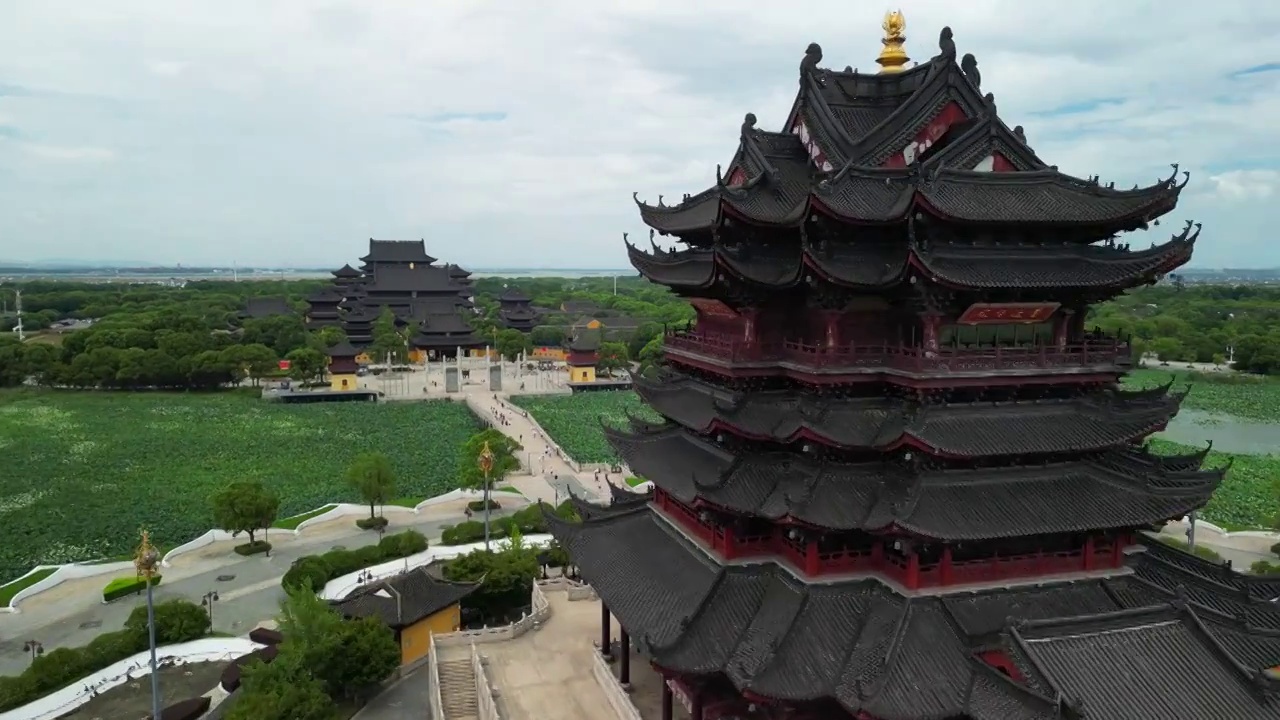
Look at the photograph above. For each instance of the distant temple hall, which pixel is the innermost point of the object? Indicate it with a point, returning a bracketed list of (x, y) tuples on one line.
[(897, 477), (429, 300)]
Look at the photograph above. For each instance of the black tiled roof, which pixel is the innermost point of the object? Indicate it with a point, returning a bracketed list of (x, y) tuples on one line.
[(398, 251), (586, 340), (514, 295), (420, 278), (346, 271), (1091, 422), (1029, 264), (1117, 490), (264, 307), (861, 643), (404, 599), (788, 192), (343, 349), (1140, 664)]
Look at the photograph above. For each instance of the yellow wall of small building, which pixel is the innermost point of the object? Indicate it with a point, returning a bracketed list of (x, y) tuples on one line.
[(343, 381), (582, 374), (415, 640)]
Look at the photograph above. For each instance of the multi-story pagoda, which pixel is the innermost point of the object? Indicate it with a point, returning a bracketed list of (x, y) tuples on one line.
[(398, 275), (515, 310), (897, 477)]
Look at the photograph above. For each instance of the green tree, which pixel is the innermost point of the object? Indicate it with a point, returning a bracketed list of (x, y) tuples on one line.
[(511, 343), (245, 507), (389, 343), (306, 364), (372, 476), (508, 576), (487, 457), (366, 653), (613, 356), (177, 621), (256, 359), (281, 690)]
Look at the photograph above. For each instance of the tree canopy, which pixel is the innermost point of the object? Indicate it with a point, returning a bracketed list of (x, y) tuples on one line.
[(502, 447), (245, 507), (372, 476)]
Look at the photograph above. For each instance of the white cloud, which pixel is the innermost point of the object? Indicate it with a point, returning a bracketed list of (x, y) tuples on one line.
[(305, 124), (167, 68), (69, 154), (1246, 185)]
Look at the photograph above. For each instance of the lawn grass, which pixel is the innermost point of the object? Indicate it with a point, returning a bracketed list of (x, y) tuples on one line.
[(633, 481), (293, 521), (85, 470), (8, 591)]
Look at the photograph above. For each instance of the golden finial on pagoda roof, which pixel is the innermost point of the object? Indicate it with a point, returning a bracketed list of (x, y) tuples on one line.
[(893, 58)]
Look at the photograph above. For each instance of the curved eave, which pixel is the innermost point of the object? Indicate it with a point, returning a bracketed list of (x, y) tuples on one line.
[(686, 269), (772, 270), (1073, 267), (1105, 424)]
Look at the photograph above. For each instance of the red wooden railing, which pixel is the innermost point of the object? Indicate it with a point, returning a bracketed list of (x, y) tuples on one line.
[(1102, 351), (806, 555)]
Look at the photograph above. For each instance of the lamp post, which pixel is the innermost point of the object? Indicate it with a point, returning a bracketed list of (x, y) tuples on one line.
[(486, 466), (35, 647), (364, 577), (146, 560), (207, 600)]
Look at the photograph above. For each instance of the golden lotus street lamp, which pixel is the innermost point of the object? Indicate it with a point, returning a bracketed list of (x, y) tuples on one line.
[(485, 461), (146, 560)]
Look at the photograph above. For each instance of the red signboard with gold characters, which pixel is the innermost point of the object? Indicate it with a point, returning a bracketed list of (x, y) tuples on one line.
[(1007, 313)]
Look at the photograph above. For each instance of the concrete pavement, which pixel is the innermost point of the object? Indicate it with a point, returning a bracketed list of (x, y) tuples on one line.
[(249, 592)]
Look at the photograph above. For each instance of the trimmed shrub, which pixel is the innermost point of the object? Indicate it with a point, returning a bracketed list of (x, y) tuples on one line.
[(253, 548), (1275, 549), (121, 587), (313, 571), (478, 505), (188, 709), (1262, 567), (473, 531), (373, 523), (177, 621)]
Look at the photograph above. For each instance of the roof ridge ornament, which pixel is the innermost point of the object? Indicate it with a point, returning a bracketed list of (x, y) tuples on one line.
[(809, 63), (947, 45), (893, 58), (748, 126), (969, 66)]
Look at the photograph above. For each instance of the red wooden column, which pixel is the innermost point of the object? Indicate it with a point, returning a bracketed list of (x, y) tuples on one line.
[(811, 561), (931, 321), (944, 568), (624, 668), (666, 699), (831, 320), (1062, 326), (697, 703), (1088, 553), (604, 629), (749, 317), (913, 570)]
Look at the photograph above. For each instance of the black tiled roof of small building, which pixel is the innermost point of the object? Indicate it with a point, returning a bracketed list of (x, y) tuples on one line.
[(398, 251), (856, 641), (514, 295), (1091, 422), (405, 599), (328, 295), (343, 349), (586, 340), (264, 307), (965, 504), (1139, 664), (346, 271), (457, 272)]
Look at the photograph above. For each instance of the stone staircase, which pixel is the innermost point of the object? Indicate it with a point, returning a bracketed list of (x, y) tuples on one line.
[(458, 690)]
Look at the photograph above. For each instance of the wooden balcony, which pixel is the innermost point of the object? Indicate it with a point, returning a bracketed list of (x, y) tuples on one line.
[(1103, 354)]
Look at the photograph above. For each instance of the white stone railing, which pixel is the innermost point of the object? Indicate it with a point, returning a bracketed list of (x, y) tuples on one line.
[(486, 708), (540, 610), (433, 674), (623, 708)]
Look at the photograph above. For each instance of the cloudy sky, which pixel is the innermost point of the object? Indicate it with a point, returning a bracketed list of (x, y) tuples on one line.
[(512, 133)]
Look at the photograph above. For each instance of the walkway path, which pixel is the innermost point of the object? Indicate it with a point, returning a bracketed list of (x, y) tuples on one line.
[(249, 593), (547, 673)]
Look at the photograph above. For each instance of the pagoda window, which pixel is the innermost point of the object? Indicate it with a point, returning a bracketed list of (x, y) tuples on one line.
[(1013, 335)]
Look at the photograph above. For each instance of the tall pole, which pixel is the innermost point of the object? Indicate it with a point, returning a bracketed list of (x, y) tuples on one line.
[(486, 466), (17, 301), (1191, 531), (146, 560)]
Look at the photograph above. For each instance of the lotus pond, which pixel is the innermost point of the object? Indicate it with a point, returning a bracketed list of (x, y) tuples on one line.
[(573, 421), (83, 471)]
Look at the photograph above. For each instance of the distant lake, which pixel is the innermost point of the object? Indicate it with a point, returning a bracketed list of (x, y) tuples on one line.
[(1229, 433)]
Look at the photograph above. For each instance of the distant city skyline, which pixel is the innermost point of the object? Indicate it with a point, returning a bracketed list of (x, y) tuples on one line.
[(516, 133)]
